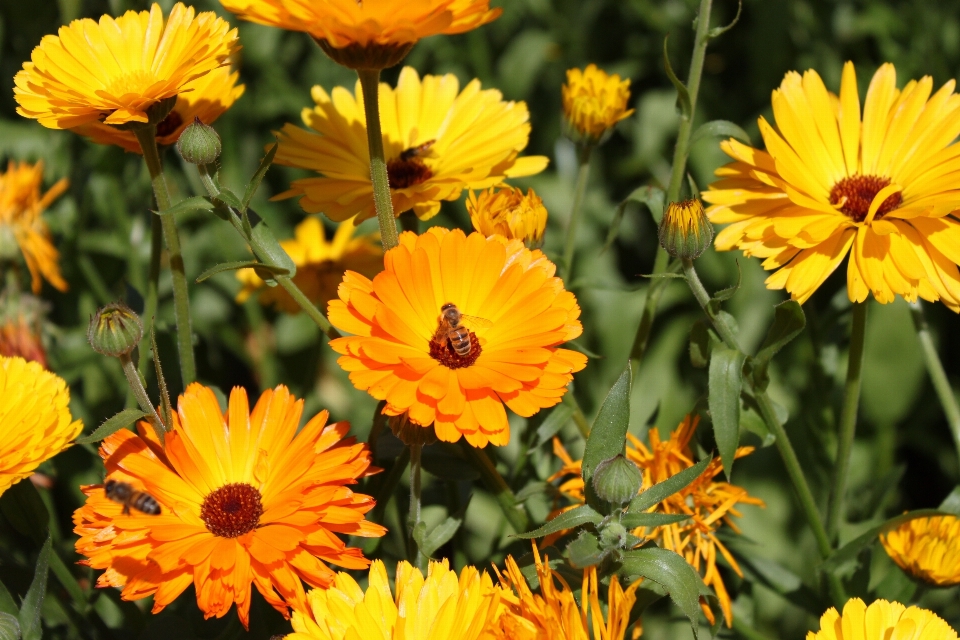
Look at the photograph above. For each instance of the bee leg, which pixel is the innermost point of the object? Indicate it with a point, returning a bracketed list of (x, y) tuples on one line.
[(126, 510)]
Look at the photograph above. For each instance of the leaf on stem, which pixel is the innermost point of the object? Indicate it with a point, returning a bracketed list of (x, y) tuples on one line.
[(723, 295), (842, 557), (258, 176), (660, 491), (584, 514), (9, 627), (241, 264), (725, 383), (189, 205), (33, 602), (608, 435), (702, 341), (439, 535), (268, 249), (719, 129), (788, 322), (951, 504), (673, 573), (7, 603), (652, 197), (113, 424), (694, 189), (634, 520), (718, 31), (24, 509), (683, 95)]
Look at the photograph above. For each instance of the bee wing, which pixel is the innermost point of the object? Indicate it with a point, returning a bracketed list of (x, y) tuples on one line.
[(473, 322)]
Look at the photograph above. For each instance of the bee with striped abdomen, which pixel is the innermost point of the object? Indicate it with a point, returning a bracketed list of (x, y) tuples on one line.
[(129, 497)]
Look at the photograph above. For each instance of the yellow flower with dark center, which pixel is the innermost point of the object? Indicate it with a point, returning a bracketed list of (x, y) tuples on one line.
[(685, 232), (35, 414), (593, 103), (880, 188), (927, 548), (882, 620), (21, 225), (709, 503), (115, 70), (509, 213), (438, 607), (244, 500), (320, 264), (438, 141)]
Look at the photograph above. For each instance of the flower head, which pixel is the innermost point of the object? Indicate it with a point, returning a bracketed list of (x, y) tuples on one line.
[(35, 414), (114, 70), (438, 607), (927, 548), (593, 103), (685, 232), (709, 503), (21, 225), (438, 141), (406, 350), (320, 264), (244, 500), (509, 213), (879, 188), (880, 621)]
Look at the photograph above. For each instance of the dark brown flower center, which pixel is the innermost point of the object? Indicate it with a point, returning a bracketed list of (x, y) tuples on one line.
[(169, 124), (406, 172), (443, 352), (859, 192), (232, 510)]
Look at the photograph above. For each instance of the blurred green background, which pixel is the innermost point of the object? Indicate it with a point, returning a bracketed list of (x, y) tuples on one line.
[(903, 458)]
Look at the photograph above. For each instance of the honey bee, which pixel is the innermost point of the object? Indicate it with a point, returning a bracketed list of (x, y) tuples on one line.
[(413, 152), (129, 497), (452, 328)]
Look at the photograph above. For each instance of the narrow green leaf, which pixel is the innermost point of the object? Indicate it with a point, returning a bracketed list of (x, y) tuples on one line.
[(671, 572), (608, 435), (849, 552), (196, 203), (33, 602), (258, 176), (725, 294), (951, 504), (683, 95), (652, 197), (717, 31), (634, 520), (553, 423), (266, 247), (788, 322), (242, 264), (719, 129), (668, 487), (24, 509), (9, 627), (725, 382), (440, 535), (111, 425), (7, 603), (584, 514), (702, 341), (694, 189), (228, 198)]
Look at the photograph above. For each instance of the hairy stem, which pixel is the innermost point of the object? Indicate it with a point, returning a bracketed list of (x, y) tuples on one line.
[(136, 385), (413, 517), (581, 188), (153, 279), (938, 376), (382, 200)]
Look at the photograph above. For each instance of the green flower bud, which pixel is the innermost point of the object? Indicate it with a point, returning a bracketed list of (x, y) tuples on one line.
[(585, 551), (685, 231), (617, 480), (613, 536), (115, 330), (199, 143)]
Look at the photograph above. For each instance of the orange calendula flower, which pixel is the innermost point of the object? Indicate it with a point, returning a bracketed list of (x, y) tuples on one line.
[(243, 498), (438, 141), (23, 324), (510, 315), (593, 103), (508, 213), (114, 70), (882, 620), (831, 183), (709, 503), (927, 548), (21, 225)]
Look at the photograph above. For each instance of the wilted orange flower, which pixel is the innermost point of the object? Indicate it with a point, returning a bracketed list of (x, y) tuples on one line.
[(709, 503), (244, 499), (927, 548), (21, 225), (593, 103), (882, 620), (509, 213), (518, 315)]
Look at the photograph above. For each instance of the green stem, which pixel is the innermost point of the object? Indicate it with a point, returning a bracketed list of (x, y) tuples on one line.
[(575, 212), (133, 379), (382, 200), (181, 299), (515, 513), (153, 279), (937, 374), (726, 332), (848, 418), (413, 517), (60, 569)]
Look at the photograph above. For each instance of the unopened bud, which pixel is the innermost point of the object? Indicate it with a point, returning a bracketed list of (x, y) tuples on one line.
[(685, 231), (617, 480), (115, 330), (199, 143)]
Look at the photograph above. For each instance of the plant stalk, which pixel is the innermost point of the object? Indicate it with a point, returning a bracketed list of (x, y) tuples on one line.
[(938, 376), (382, 200), (133, 379), (413, 517), (515, 513), (583, 174), (153, 278)]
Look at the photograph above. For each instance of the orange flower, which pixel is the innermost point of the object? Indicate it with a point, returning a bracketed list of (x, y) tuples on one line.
[(518, 313), (244, 499)]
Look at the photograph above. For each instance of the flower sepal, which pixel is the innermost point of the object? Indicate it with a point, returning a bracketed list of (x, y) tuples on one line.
[(199, 143), (115, 330)]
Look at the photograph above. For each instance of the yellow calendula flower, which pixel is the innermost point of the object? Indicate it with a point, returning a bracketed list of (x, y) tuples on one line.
[(438, 141), (882, 620), (879, 187), (320, 264), (927, 548), (593, 103), (438, 607), (507, 212), (21, 226), (114, 70), (35, 414)]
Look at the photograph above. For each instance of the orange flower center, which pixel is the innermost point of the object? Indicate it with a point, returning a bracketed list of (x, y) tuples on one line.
[(443, 352), (232, 510), (407, 172), (859, 192), (169, 124)]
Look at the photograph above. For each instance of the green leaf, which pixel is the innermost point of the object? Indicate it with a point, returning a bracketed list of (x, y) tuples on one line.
[(668, 487), (719, 129), (673, 573), (725, 382), (228, 198), (258, 176), (683, 95), (848, 553), (702, 341), (9, 627), (196, 203), (652, 197), (694, 189), (111, 425), (24, 509), (585, 551), (788, 322), (7, 603), (951, 504), (584, 514), (553, 423), (33, 602), (752, 421), (440, 535), (608, 435), (634, 520), (717, 31), (266, 247), (241, 264)]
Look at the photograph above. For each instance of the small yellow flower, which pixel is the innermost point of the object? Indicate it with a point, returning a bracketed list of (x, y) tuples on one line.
[(927, 548), (882, 620), (115, 70), (593, 103), (508, 213), (685, 232), (320, 264), (35, 414), (21, 225)]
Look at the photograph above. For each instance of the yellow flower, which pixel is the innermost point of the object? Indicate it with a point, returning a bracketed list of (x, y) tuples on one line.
[(115, 70), (593, 103), (709, 503), (882, 620), (509, 213), (207, 98), (927, 548), (438, 141), (21, 225), (440, 607), (35, 414), (880, 188), (320, 264)]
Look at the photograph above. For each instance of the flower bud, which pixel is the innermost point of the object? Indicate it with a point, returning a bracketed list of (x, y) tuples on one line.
[(199, 143), (507, 212), (685, 231), (593, 103), (617, 480), (115, 330)]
